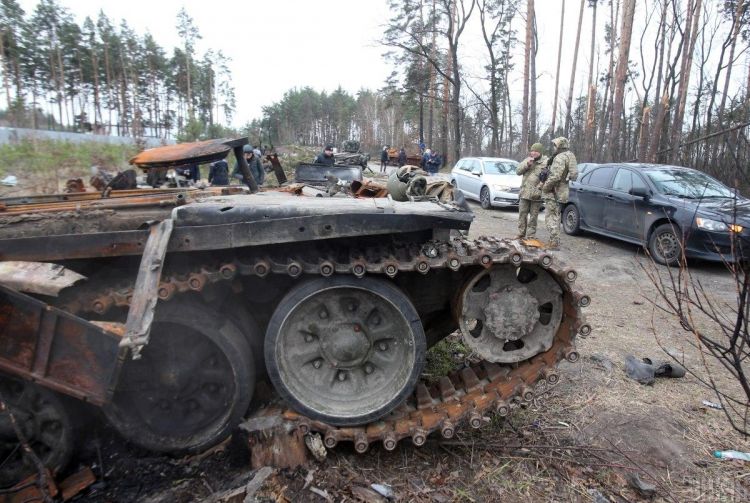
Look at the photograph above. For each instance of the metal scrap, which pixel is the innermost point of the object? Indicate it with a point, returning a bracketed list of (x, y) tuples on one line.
[(37, 277)]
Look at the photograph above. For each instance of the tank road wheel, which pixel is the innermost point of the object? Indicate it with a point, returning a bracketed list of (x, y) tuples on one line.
[(45, 423), (345, 350), (509, 314), (191, 386)]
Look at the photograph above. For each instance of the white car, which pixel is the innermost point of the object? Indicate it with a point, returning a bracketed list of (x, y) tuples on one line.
[(490, 180)]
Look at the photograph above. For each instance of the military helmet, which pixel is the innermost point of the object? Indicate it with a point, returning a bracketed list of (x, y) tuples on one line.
[(561, 142), (247, 149)]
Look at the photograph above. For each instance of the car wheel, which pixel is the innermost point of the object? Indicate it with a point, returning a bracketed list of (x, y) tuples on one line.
[(484, 198), (571, 220), (454, 183), (665, 246)]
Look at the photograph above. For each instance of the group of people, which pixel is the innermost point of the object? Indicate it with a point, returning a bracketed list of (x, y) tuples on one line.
[(218, 173), (431, 161), (545, 179)]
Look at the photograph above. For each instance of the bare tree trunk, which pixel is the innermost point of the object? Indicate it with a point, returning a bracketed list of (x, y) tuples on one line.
[(735, 34), (591, 102), (644, 134), (526, 67), (621, 75), (614, 13), (6, 83), (691, 33), (557, 72), (569, 102), (532, 84)]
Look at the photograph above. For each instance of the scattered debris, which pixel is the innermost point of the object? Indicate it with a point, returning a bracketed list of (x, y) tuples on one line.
[(321, 493), (9, 181), (638, 370), (644, 488), (257, 482), (367, 495), (712, 405), (602, 361), (314, 442), (744, 456), (597, 496), (384, 490), (664, 368)]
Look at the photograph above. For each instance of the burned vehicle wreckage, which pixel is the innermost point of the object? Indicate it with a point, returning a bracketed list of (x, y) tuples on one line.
[(164, 307)]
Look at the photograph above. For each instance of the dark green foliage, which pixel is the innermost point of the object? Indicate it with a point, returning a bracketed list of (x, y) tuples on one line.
[(103, 78)]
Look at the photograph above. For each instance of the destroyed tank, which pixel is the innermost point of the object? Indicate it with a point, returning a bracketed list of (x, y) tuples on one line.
[(165, 307), (351, 155)]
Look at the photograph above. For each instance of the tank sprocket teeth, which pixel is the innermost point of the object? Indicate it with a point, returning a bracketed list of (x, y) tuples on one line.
[(101, 304), (546, 260), (527, 393), (550, 376), (197, 281), (502, 408), (331, 439), (447, 429), (166, 290), (582, 299), (326, 268), (390, 441), (570, 275), (582, 327), (294, 269), (360, 441), (419, 437), (359, 268), (261, 268), (304, 426), (572, 355)]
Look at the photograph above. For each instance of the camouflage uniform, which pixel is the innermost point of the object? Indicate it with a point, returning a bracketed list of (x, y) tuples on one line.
[(555, 189), (530, 197)]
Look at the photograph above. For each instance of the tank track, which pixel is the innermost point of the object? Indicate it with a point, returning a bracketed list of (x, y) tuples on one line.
[(466, 396)]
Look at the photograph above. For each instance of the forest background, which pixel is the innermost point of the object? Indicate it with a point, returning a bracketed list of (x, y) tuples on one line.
[(656, 81)]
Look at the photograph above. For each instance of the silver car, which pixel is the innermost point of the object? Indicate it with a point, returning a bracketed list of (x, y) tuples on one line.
[(490, 180)]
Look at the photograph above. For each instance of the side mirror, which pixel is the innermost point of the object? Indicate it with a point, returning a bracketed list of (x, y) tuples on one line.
[(639, 192), (476, 171)]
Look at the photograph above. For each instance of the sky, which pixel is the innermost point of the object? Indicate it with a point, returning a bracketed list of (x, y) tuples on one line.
[(276, 45)]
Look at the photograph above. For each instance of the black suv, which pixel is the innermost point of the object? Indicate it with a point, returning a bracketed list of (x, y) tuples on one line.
[(671, 210)]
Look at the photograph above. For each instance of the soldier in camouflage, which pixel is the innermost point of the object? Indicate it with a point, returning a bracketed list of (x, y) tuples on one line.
[(555, 187), (530, 198)]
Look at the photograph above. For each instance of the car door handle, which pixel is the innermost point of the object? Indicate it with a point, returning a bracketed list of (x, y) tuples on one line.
[(609, 196)]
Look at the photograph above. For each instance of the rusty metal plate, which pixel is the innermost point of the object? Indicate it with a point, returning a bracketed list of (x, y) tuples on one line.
[(37, 277), (56, 349), (186, 153)]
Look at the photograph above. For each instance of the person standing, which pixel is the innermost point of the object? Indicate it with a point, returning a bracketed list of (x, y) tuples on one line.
[(401, 157), (326, 156), (384, 159), (425, 158), (530, 197), (555, 188), (256, 168)]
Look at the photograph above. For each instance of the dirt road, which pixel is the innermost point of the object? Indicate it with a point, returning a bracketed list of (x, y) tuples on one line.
[(580, 441)]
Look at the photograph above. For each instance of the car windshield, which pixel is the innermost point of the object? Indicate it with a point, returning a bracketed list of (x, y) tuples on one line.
[(499, 168), (687, 183)]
